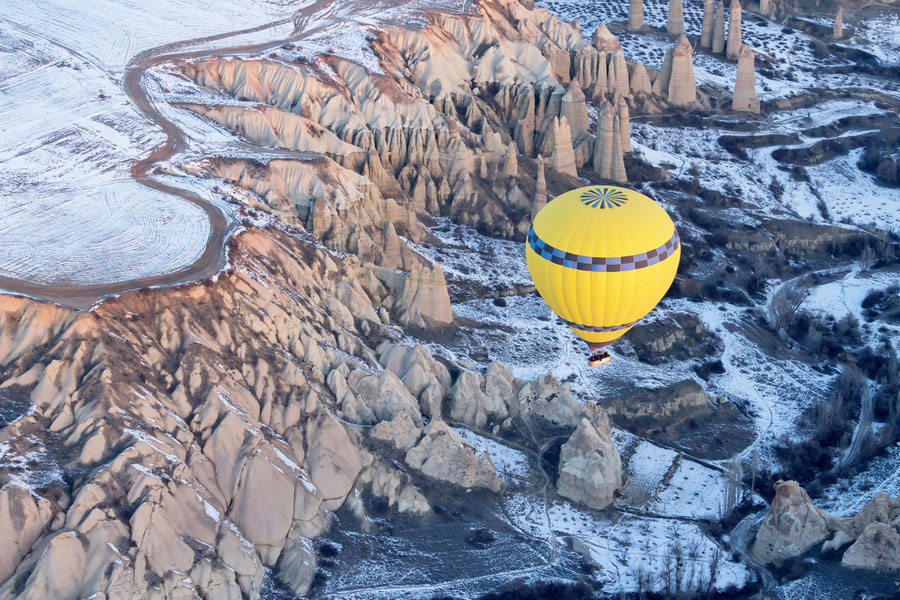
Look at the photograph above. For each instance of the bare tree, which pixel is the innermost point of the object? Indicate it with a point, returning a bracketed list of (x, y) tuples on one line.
[(787, 302)]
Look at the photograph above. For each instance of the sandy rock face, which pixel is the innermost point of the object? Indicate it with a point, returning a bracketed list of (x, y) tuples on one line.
[(706, 28), (838, 30), (745, 97), (733, 49), (877, 549), (675, 19), (792, 526), (675, 81), (590, 469), (442, 454), (23, 517), (635, 15)]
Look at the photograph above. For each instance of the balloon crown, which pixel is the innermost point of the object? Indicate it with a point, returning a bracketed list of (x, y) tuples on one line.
[(605, 197)]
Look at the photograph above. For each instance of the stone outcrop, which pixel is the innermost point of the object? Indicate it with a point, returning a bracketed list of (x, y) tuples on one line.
[(838, 30), (733, 49), (635, 15), (559, 147), (624, 126), (590, 469), (744, 97), (23, 517), (675, 18), (876, 549), (640, 80), (604, 40), (675, 81), (766, 8), (574, 109), (540, 189), (792, 526), (706, 28), (718, 38), (442, 454), (608, 160)]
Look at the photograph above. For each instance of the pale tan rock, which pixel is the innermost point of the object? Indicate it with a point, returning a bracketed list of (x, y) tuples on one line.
[(540, 191), (297, 565), (877, 549), (838, 30), (681, 88), (421, 296), (603, 39), (395, 487), (559, 145), (574, 109), (23, 517), (766, 8), (618, 165), (603, 158), (640, 80), (333, 459), (401, 432), (675, 18), (511, 164), (733, 49), (635, 15), (58, 572), (718, 41), (791, 527), (442, 454), (624, 124), (470, 404), (745, 98), (706, 28), (590, 469), (618, 74), (546, 399)]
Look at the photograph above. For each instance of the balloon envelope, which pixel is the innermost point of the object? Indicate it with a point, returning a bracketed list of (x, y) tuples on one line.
[(602, 257)]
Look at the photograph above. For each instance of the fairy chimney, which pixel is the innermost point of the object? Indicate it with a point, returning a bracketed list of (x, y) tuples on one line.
[(706, 29), (574, 108), (675, 20), (540, 191), (511, 165), (603, 145), (733, 50), (839, 24), (624, 123), (603, 39), (563, 156), (635, 15), (718, 43), (681, 89), (745, 85)]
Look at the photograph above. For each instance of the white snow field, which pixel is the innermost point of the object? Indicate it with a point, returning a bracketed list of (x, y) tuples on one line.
[(69, 211)]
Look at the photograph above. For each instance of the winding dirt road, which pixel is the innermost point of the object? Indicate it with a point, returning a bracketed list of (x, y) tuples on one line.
[(213, 258)]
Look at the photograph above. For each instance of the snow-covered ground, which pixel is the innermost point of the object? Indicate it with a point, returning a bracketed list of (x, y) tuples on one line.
[(878, 36)]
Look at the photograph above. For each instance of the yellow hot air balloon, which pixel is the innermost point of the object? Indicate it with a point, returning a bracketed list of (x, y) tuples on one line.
[(602, 257)]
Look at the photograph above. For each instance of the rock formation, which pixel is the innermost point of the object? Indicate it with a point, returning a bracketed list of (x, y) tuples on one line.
[(604, 40), (635, 15), (675, 81), (718, 41), (590, 469), (624, 125), (618, 74), (675, 18), (442, 454), (559, 147), (640, 80), (733, 50), (511, 164), (766, 8), (876, 549), (607, 160), (744, 97), (574, 109), (540, 190), (706, 28), (838, 30), (792, 526)]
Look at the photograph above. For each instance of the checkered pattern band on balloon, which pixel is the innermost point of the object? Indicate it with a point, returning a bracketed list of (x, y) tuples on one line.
[(597, 329), (602, 264)]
